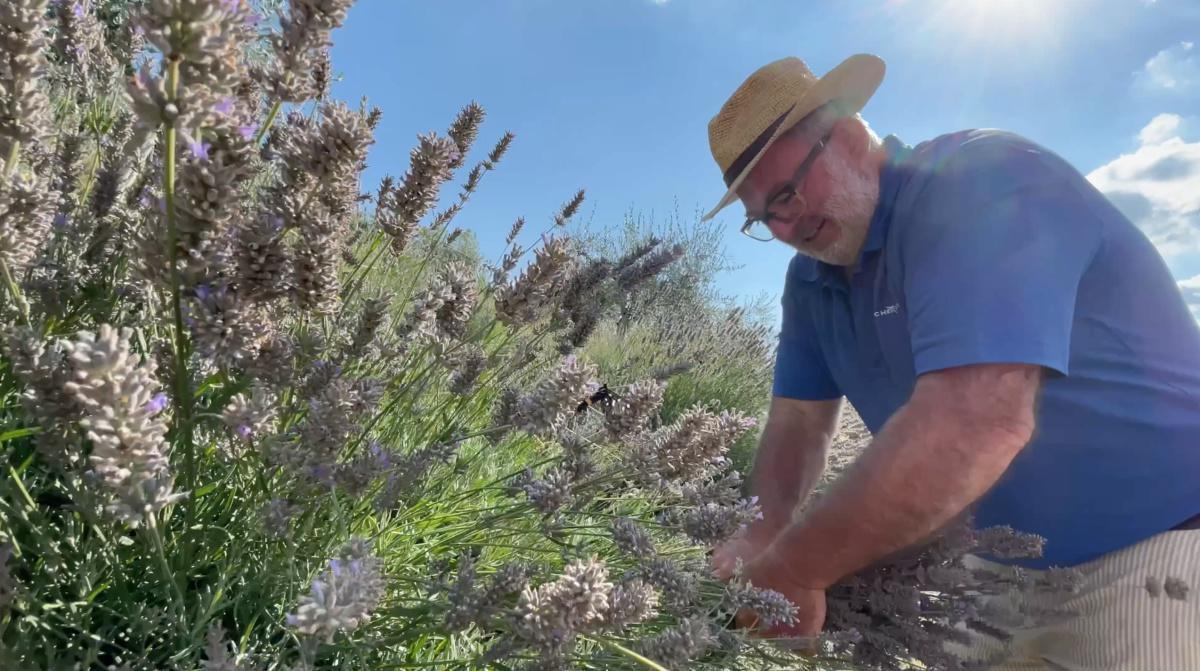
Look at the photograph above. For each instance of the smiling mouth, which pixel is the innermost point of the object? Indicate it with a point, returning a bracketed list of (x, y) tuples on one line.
[(816, 231)]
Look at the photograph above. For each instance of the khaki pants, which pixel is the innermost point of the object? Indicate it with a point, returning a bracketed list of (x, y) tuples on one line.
[(1117, 624)]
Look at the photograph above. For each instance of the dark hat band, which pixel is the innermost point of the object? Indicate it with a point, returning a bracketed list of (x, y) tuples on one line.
[(751, 151)]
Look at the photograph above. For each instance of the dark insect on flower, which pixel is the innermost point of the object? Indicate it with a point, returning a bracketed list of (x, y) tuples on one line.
[(602, 397)]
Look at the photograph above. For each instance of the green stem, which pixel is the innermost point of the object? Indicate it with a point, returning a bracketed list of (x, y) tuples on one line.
[(471, 493), (168, 574), (15, 291), (358, 279), (397, 398), (420, 273), (267, 124), (646, 662), (13, 152), (85, 191), (182, 391)]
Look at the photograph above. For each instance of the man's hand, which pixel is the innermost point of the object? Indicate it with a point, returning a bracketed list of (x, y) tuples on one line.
[(768, 570), (746, 545)]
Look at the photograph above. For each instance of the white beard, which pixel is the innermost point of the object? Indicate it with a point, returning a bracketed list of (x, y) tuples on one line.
[(851, 207)]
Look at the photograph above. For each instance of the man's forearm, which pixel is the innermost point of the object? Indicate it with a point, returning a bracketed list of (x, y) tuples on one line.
[(786, 469), (922, 470)]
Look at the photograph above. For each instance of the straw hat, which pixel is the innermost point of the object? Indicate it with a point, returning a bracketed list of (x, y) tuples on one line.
[(773, 99)]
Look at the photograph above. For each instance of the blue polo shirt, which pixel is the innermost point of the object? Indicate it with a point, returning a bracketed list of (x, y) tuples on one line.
[(987, 248)]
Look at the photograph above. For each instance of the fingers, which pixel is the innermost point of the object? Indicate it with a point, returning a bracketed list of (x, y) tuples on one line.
[(725, 557), (723, 567), (746, 619)]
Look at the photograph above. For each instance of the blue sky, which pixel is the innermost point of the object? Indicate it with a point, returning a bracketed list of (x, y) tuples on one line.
[(614, 96)]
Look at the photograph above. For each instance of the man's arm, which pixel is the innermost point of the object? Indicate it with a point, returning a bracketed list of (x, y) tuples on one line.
[(791, 457), (939, 453), (789, 462)]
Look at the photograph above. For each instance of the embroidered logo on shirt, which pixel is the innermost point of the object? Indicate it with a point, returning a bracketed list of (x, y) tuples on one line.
[(892, 309)]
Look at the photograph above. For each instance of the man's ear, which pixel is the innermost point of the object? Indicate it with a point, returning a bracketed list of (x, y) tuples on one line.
[(852, 136)]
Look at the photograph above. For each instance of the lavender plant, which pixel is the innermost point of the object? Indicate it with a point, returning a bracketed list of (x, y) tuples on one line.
[(255, 419)]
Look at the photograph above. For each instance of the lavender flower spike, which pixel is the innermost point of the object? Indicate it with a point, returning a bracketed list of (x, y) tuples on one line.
[(24, 106), (250, 415), (430, 167), (522, 301), (343, 596), (129, 452), (633, 411), (549, 405)]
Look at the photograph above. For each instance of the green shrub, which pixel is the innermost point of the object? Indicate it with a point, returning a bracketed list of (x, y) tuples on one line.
[(679, 325)]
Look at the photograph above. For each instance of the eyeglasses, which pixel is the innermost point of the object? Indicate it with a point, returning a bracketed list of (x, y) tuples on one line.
[(787, 202)]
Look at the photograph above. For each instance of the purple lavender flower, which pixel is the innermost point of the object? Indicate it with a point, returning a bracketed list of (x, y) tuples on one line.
[(156, 404), (247, 132), (224, 107), (383, 459), (60, 220), (129, 459), (253, 19), (344, 596), (203, 291), (322, 473), (199, 149), (245, 431), (77, 9)]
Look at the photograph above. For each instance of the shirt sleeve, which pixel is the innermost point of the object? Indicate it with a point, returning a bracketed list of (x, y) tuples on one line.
[(800, 368), (1001, 236)]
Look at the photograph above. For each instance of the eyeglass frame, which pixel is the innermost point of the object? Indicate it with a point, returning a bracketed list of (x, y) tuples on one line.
[(792, 187)]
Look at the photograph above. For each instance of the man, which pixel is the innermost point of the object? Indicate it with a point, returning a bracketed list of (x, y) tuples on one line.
[(1016, 346)]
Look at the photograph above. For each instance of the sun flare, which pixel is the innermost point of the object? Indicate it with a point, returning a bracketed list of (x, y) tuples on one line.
[(1002, 22)]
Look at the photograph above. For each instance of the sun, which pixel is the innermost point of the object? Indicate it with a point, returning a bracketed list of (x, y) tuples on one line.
[(1001, 36), (1003, 22)]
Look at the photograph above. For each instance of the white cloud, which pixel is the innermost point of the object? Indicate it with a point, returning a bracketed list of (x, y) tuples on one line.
[(1191, 293), (1158, 185), (1175, 69), (1160, 128)]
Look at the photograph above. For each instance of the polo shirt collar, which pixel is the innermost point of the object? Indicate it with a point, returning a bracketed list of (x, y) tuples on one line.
[(890, 181)]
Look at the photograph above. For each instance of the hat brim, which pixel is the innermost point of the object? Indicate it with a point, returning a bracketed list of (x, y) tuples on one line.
[(853, 81)]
